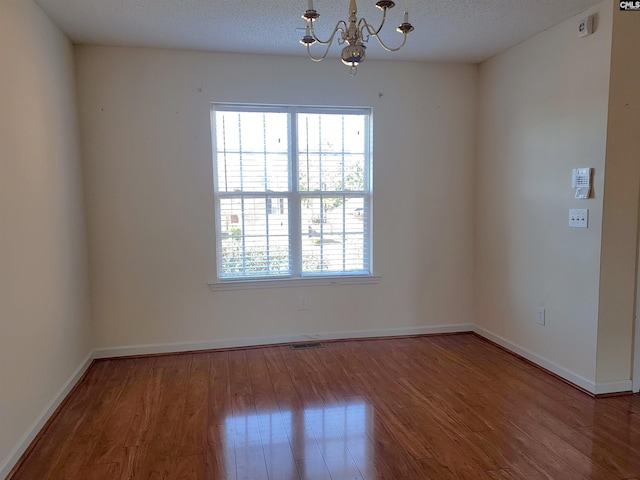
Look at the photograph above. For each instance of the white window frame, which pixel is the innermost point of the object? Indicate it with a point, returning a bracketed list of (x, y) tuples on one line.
[(294, 196)]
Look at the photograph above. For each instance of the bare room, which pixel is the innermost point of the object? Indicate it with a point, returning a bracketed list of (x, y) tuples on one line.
[(321, 239)]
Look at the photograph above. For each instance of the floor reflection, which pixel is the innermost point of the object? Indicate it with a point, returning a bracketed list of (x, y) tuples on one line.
[(317, 442)]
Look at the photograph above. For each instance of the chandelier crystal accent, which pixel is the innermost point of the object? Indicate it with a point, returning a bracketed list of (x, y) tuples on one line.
[(355, 34)]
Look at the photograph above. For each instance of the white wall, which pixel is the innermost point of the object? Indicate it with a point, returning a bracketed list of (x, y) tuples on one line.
[(45, 331), (543, 111), (636, 360), (622, 182), (146, 141)]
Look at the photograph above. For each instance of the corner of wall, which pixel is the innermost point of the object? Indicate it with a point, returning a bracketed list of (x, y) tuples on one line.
[(618, 263), (542, 112), (44, 303)]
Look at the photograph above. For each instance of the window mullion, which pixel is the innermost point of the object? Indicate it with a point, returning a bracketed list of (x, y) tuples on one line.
[(344, 200), (321, 189), (295, 218), (240, 152), (368, 188), (344, 232), (244, 241), (267, 203)]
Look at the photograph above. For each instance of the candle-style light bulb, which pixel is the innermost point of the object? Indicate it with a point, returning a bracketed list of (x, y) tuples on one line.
[(310, 5), (406, 17)]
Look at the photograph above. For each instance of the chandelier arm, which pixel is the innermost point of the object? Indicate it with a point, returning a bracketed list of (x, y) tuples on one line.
[(338, 28), (362, 24), (389, 49), (318, 59)]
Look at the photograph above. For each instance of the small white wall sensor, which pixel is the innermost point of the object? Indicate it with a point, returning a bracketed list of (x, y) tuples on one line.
[(585, 26)]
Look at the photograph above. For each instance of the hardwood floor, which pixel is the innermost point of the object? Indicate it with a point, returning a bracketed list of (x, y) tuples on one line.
[(450, 407)]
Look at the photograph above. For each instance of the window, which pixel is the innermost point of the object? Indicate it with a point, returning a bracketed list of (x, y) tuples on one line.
[(292, 191)]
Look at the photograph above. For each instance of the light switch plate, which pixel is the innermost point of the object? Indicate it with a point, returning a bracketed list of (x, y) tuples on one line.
[(579, 217)]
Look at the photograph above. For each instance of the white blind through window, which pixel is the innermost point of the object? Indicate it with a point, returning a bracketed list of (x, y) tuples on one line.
[(292, 191)]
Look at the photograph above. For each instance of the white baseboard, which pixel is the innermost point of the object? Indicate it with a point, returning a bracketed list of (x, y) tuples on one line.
[(568, 375), (14, 456), (596, 388), (256, 341), (603, 388)]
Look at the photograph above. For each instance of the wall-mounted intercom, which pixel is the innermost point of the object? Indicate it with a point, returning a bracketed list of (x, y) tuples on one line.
[(581, 181)]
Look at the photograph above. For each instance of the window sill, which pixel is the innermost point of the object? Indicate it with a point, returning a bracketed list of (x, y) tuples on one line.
[(294, 282)]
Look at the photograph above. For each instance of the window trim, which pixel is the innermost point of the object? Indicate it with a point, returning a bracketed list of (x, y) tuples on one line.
[(288, 282), (293, 195)]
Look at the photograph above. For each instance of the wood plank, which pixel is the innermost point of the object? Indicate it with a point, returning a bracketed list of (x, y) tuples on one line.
[(274, 430), (99, 472), (502, 474), (194, 426), (111, 443), (100, 386), (242, 425)]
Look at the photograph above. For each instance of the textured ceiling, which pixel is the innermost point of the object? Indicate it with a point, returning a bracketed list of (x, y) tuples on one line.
[(445, 30)]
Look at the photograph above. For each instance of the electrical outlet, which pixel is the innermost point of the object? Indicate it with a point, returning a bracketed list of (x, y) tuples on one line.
[(541, 318), (303, 302)]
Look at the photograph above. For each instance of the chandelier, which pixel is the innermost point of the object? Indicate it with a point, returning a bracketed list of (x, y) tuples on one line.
[(355, 34)]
